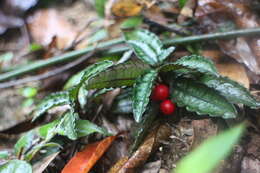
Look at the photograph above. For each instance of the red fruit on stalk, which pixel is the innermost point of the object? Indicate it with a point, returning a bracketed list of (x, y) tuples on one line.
[(160, 92), (167, 107)]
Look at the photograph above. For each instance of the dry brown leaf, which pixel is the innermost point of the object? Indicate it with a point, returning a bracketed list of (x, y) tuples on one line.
[(139, 157), (213, 13), (126, 8), (234, 71), (46, 24)]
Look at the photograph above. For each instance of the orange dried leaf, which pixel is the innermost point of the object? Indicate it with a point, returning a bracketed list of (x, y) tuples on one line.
[(126, 8), (84, 160)]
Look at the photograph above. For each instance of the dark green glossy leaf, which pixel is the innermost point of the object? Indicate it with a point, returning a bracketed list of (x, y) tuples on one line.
[(147, 46), (16, 166), (141, 93), (198, 63), (210, 153), (85, 127), (144, 126), (233, 91), (55, 99), (117, 76), (201, 99), (90, 71)]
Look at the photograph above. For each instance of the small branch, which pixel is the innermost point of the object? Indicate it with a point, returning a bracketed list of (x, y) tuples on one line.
[(47, 74), (104, 45)]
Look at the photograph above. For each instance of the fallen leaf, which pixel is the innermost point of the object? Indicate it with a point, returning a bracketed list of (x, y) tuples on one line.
[(84, 160), (234, 71), (126, 8), (212, 16), (46, 24), (139, 157)]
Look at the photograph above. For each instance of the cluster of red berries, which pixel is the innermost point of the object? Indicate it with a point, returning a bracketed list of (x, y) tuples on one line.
[(161, 93)]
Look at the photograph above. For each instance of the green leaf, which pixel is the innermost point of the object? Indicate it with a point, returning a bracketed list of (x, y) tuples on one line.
[(30, 155), (117, 76), (35, 47), (201, 99), (55, 99), (198, 63), (233, 91), (16, 166), (67, 125), (28, 92), (88, 72), (82, 96), (98, 36), (100, 7), (132, 22), (147, 46), (25, 142), (144, 126), (85, 127), (210, 153), (45, 130), (141, 93), (165, 53), (182, 3), (4, 154)]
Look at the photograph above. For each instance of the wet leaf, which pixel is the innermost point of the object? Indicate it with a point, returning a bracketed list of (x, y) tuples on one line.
[(206, 157), (16, 166), (84, 160), (233, 91), (141, 93), (147, 46), (201, 99)]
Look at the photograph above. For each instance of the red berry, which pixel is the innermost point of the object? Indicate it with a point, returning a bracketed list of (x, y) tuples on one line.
[(160, 92), (167, 107)]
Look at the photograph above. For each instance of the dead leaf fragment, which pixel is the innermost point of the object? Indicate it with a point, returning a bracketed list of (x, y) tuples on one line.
[(46, 24), (139, 157), (84, 160), (126, 8)]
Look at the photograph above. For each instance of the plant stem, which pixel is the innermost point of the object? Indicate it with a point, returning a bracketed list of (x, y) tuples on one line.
[(74, 54)]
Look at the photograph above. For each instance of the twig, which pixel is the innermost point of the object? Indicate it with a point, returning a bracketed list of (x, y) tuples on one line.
[(47, 74), (74, 54)]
